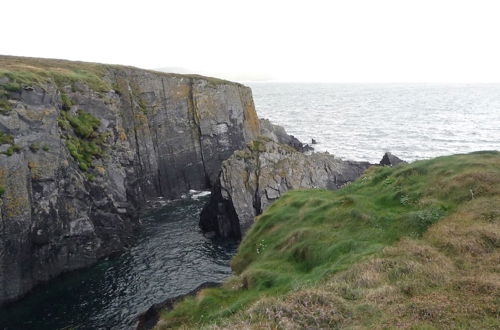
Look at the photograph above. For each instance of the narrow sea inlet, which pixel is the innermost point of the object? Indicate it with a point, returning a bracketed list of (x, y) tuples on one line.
[(171, 257)]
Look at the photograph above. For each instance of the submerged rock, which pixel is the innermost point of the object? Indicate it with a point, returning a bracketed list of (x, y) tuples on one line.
[(252, 178)]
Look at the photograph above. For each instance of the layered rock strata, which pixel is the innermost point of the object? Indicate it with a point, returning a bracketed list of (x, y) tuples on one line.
[(83, 146)]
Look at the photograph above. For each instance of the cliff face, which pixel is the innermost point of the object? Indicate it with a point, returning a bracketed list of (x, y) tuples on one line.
[(82, 146), (256, 176)]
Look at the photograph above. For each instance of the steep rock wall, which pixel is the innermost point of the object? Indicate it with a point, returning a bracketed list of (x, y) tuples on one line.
[(83, 146)]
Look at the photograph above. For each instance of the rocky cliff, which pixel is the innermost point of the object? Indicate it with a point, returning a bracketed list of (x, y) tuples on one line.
[(254, 177), (83, 146)]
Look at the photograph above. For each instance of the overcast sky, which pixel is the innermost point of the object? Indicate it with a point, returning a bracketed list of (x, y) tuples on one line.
[(330, 41)]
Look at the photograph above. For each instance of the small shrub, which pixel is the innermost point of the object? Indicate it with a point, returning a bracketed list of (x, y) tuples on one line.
[(12, 149), (102, 138), (90, 177), (422, 219), (67, 102), (5, 106), (6, 138), (142, 105), (34, 147), (63, 123), (11, 87), (2, 190), (84, 123), (84, 152), (45, 148)]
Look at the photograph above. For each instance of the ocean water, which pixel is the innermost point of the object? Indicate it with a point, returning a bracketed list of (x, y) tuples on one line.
[(362, 121), (170, 257)]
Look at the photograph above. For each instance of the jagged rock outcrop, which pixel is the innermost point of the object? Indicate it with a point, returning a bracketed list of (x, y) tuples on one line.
[(390, 160), (83, 145), (278, 134), (252, 178)]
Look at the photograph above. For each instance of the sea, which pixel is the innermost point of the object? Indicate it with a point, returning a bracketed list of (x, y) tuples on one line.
[(363, 121)]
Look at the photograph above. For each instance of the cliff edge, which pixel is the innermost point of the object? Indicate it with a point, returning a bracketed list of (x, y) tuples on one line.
[(84, 145)]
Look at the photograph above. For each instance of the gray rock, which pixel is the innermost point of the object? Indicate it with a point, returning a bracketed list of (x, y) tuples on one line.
[(390, 160), (252, 178), (277, 133), (166, 134)]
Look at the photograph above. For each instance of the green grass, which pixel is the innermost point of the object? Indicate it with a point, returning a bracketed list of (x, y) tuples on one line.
[(6, 138), (5, 106), (85, 143), (84, 152), (66, 101), (34, 147), (308, 236), (36, 71), (11, 150), (84, 124), (11, 87), (39, 71)]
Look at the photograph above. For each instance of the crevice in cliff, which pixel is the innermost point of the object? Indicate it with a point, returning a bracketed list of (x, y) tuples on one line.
[(136, 137), (193, 109), (257, 205), (219, 214)]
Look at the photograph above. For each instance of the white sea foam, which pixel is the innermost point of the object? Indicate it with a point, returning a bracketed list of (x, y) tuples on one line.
[(198, 194)]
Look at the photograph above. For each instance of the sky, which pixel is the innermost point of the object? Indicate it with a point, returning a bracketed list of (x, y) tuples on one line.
[(310, 41)]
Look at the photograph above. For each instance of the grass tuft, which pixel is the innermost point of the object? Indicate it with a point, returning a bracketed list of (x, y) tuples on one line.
[(6, 138)]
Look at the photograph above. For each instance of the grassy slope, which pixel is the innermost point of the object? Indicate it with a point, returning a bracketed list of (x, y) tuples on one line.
[(29, 71), (364, 256)]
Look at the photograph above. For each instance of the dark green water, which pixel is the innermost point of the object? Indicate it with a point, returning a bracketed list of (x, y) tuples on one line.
[(171, 257)]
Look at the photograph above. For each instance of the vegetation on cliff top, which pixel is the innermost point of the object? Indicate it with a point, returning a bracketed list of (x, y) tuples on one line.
[(30, 71), (373, 254), (35, 71)]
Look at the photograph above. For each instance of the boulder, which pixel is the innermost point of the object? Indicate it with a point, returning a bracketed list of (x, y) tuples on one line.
[(390, 160)]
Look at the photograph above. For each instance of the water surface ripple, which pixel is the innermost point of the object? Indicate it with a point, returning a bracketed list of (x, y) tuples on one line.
[(171, 257), (362, 121)]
